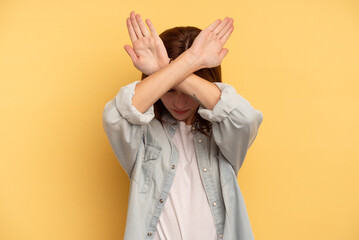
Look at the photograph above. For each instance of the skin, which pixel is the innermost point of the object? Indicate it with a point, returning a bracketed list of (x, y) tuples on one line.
[(181, 106), (149, 55)]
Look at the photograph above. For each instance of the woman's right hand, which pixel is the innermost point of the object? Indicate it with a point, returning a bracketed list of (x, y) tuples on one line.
[(208, 45)]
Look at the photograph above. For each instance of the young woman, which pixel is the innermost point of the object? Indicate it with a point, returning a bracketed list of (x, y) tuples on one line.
[(182, 135)]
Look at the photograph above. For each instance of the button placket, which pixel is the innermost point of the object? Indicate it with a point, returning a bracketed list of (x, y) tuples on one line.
[(168, 179), (207, 180)]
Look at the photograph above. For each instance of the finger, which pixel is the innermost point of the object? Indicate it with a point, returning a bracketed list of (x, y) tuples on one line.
[(227, 34), (142, 26), (225, 29), (223, 53), (130, 30), (220, 27), (135, 25), (131, 53), (214, 25), (151, 27)]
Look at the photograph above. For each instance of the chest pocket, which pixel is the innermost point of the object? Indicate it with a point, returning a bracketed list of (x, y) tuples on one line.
[(150, 155)]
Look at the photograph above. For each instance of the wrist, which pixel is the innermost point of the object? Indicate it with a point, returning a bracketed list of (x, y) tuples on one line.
[(163, 63), (193, 59)]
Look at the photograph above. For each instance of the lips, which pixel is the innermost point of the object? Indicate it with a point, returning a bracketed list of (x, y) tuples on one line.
[(180, 112)]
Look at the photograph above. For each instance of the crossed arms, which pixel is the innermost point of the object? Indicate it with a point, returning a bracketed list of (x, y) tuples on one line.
[(149, 55)]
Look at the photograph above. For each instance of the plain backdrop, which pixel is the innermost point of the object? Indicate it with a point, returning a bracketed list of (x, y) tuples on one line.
[(62, 61)]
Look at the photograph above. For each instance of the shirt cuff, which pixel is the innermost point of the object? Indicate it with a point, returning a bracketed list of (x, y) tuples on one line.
[(223, 107), (123, 102)]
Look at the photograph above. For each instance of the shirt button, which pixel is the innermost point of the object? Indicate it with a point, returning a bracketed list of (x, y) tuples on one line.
[(161, 200), (149, 234), (199, 140), (173, 166), (214, 203), (221, 236), (204, 169)]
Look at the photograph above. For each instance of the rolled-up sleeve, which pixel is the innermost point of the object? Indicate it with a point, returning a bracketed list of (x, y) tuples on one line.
[(235, 124), (125, 126), (127, 110)]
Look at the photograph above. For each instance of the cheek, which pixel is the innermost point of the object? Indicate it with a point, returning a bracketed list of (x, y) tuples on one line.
[(192, 103), (166, 99)]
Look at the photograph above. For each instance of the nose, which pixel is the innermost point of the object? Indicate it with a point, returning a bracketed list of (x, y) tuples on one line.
[(180, 100)]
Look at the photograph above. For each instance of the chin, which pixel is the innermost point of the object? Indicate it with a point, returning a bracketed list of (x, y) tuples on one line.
[(180, 118)]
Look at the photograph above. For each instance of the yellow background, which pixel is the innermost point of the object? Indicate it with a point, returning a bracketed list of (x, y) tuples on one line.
[(62, 61)]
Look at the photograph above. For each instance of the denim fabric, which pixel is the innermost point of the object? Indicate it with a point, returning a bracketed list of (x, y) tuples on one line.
[(143, 146)]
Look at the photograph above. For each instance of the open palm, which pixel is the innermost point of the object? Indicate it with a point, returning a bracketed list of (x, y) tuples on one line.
[(148, 53), (208, 45)]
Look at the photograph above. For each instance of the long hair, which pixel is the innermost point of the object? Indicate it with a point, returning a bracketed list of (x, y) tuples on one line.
[(177, 40)]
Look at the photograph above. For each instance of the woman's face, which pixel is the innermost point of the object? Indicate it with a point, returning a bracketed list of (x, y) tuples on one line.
[(181, 106)]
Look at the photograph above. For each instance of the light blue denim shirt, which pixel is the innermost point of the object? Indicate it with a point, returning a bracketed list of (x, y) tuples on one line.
[(145, 150)]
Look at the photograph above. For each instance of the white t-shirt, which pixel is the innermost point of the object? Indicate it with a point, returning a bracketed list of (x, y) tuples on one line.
[(186, 214)]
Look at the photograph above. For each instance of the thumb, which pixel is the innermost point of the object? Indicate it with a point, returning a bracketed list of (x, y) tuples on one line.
[(131, 52), (223, 53)]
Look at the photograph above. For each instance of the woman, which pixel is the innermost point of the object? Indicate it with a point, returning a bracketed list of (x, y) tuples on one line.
[(182, 135)]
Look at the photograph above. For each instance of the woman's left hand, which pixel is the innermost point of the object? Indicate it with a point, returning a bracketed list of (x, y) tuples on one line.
[(148, 53), (208, 45)]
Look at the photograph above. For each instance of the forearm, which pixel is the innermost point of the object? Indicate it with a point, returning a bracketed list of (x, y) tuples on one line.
[(205, 92), (150, 89)]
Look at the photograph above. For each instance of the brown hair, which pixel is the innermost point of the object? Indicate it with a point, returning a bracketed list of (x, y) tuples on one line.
[(177, 40)]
